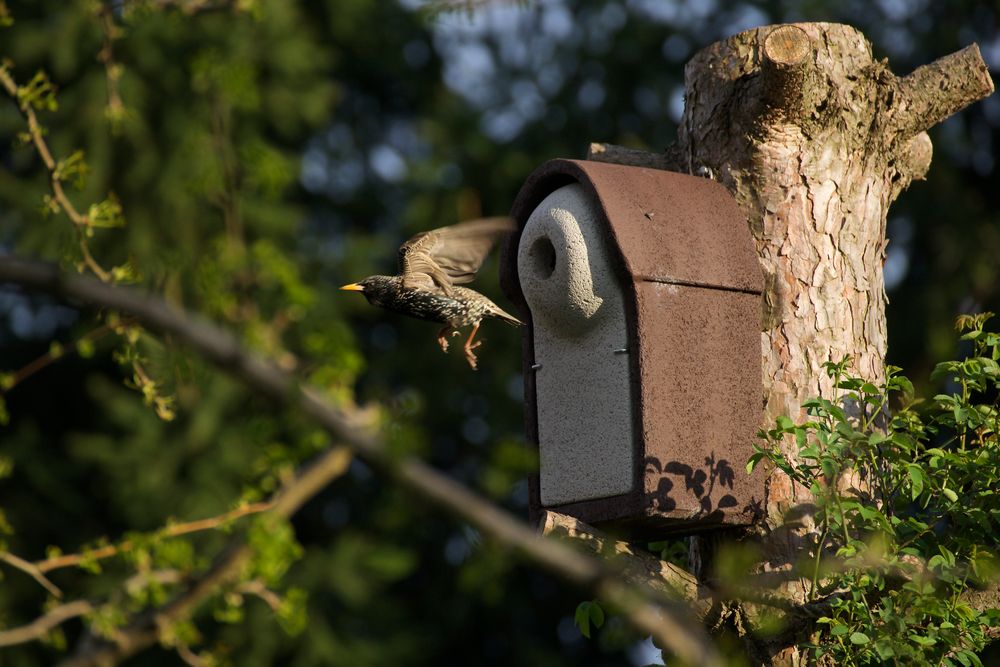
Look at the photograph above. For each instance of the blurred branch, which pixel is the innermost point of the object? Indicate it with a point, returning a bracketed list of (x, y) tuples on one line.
[(189, 657), (32, 570), (191, 7), (434, 8), (42, 362), (650, 611), (69, 560), (258, 589), (115, 109), (44, 624), (65, 612)]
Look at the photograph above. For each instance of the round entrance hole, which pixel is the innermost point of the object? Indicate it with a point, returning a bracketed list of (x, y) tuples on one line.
[(543, 257)]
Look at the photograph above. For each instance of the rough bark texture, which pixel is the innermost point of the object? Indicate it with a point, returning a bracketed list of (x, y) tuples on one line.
[(815, 139)]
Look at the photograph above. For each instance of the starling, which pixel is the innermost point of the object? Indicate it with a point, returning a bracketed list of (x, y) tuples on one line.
[(431, 266)]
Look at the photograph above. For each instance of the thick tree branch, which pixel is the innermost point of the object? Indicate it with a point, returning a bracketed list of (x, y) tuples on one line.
[(785, 65), (636, 566), (798, 619), (667, 620), (939, 89)]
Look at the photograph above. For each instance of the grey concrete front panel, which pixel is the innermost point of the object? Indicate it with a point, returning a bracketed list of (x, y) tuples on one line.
[(565, 263)]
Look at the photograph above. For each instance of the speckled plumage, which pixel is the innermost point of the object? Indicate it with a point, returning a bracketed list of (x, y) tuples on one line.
[(431, 264)]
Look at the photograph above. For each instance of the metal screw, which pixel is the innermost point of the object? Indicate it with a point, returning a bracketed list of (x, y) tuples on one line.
[(621, 350), (535, 367), (705, 172)]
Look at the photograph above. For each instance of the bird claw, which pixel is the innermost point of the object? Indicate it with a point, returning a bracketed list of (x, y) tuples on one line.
[(443, 338), (470, 356)]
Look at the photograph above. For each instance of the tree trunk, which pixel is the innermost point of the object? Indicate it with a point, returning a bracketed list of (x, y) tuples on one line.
[(815, 139)]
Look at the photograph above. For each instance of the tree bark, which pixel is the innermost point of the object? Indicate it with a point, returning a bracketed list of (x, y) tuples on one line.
[(815, 139)]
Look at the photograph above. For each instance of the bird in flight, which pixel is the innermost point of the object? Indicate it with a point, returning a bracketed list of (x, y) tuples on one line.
[(432, 265)]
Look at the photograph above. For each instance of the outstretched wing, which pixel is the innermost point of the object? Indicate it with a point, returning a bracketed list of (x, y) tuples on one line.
[(450, 255)]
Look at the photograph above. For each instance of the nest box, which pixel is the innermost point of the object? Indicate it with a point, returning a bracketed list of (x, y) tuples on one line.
[(641, 291)]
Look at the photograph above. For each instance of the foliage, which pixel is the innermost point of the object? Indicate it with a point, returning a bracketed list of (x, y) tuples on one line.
[(231, 157), (588, 613), (906, 508)]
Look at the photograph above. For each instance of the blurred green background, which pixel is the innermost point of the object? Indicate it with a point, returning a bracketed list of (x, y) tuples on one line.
[(267, 154)]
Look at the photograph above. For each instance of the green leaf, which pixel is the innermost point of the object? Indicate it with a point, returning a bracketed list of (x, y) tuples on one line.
[(916, 475), (582, 618), (950, 495), (784, 423), (859, 638), (923, 641), (107, 213), (85, 348), (596, 614)]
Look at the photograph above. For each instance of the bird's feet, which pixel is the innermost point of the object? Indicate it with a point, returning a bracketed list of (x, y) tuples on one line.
[(470, 356), (470, 346), (443, 337)]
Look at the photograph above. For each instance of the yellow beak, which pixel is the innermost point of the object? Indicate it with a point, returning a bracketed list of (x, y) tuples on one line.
[(353, 287)]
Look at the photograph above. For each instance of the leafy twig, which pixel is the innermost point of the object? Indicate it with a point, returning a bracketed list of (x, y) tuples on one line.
[(36, 133), (176, 530), (42, 362), (115, 110)]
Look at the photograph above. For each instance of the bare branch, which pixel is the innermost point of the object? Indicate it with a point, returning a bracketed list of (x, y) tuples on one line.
[(785, 66), (44, 360), (667, 620), (33, 570), (43, 624), (939, 89), (189, 657), (258, 589)]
